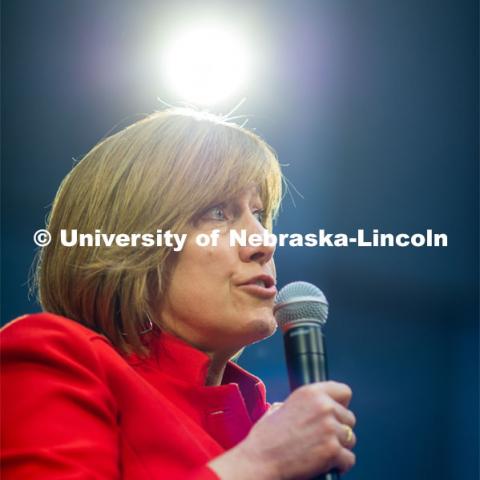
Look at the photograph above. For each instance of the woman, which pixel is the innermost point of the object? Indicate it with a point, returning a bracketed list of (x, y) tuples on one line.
[(128, 375)]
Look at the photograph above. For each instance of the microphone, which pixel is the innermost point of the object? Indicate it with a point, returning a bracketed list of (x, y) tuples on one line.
[(300, 311)]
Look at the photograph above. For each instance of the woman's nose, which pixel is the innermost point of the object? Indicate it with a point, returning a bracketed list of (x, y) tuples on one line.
[(259, 249)]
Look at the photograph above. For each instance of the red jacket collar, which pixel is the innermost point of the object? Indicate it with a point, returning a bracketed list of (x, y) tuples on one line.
[(173, 356), (183, 362), (179, 371)]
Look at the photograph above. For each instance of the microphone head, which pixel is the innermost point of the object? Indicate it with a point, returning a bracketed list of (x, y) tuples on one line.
[(298, 302)]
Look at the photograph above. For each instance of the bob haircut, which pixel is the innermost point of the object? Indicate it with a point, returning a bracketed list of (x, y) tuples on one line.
[(158, 173)]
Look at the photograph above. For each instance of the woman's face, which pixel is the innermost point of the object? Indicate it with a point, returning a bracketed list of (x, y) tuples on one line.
[(220, 298)]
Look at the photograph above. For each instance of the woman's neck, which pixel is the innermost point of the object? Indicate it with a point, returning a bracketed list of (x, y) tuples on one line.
[(216, 369)]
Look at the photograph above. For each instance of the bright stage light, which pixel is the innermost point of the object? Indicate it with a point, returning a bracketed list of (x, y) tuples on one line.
[(206, 64)]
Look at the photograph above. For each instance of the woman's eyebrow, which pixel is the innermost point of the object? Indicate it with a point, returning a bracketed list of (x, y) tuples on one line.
[(257, 199)]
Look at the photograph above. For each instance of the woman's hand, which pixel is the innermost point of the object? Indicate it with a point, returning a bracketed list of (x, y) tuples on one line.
[(304, 437)]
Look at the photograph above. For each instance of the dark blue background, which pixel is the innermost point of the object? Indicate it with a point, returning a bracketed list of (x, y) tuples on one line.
[(374, 107)]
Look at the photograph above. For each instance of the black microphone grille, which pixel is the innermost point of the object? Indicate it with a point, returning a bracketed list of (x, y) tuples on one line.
[(300, 301)]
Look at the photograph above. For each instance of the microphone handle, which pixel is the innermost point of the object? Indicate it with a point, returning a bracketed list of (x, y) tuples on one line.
[(307, 363)]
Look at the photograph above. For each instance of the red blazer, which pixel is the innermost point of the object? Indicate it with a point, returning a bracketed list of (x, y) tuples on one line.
[(74, 408)]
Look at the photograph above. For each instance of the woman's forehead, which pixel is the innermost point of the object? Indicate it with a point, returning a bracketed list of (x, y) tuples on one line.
[(251, 192)]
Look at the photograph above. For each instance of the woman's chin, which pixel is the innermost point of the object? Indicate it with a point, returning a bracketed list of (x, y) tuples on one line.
[(261, 328)]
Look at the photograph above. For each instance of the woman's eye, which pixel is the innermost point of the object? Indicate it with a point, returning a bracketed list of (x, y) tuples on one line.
[(216, 213), (260, 214)]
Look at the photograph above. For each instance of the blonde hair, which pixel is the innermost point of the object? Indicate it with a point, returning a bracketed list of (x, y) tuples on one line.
[(155, 174)]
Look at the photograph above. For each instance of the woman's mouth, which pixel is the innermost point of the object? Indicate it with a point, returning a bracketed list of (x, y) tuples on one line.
[(262, 286)]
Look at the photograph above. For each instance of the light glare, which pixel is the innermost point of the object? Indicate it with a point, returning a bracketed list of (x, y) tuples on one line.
[(205, 64)]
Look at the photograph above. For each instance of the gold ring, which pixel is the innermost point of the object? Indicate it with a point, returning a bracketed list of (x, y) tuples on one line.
[(349, 432)]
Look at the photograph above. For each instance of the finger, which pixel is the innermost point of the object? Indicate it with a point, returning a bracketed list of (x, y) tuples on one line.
[(343, 415), (345, 460), (340, 392), (274, 407), (346, 436)]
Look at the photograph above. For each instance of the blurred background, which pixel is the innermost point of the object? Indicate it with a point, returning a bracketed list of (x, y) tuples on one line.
[(371, 105)]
